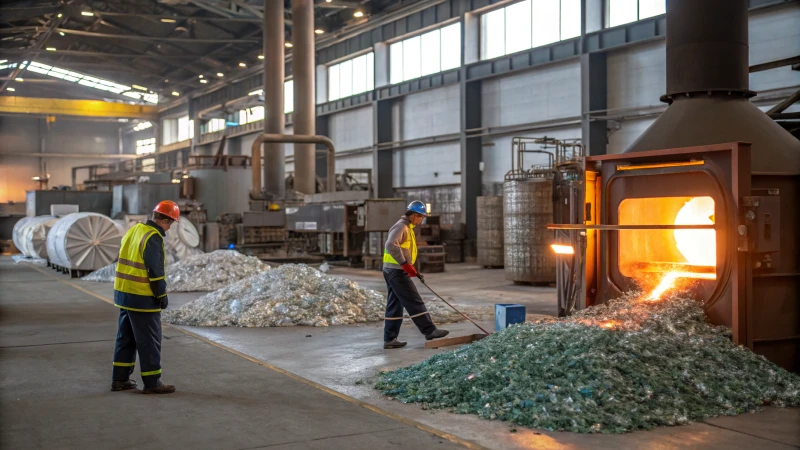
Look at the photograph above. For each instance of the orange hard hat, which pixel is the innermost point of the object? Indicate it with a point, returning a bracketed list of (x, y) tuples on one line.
[(169, 209)]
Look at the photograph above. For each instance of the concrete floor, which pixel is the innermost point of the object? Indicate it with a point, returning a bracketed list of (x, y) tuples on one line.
[(343, 360)]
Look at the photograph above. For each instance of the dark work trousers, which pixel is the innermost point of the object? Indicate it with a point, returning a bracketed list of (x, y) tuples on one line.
[(403, 294), (138, 331)]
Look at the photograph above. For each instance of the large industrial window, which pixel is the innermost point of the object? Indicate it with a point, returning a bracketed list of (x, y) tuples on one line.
[(145, 146), (426, 54), (529, 24), (288, 102), (185, 128), (626, 11), (213, 125), (351, 77), (251, 115)]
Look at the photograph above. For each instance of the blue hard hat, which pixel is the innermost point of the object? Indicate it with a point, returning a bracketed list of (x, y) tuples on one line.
[(418, 207)]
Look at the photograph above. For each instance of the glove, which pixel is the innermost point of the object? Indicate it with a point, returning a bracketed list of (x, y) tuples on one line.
[(410, 270), (421, 278), (164, 302)]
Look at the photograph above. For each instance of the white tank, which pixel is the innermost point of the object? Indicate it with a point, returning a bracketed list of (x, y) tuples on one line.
[(15, 232), (33, 236), (83, 241)]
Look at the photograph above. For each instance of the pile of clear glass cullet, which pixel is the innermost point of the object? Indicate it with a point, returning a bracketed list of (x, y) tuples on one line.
[(292, 294), (212, 271)]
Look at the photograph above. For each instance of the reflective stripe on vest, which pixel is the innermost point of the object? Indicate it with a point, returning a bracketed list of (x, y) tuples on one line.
[(410, 244), (131, 276)]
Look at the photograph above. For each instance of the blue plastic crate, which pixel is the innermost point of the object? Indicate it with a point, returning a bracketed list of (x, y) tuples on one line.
[(506, 314)]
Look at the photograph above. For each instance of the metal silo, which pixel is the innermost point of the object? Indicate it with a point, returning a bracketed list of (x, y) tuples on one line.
[(490, 231), (527, 210)]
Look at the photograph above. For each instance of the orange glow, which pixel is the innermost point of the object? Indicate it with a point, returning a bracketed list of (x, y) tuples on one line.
[(563, 249), (699, 247), (610, 324)]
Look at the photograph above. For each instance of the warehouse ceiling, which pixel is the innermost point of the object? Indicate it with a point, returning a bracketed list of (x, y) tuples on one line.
[(164, 46)]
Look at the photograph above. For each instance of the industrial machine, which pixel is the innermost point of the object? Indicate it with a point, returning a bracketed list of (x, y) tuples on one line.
[(704, 201)]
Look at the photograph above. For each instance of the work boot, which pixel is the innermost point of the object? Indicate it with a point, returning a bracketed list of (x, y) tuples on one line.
[(160, 389), (122, 385), (437, 333), (394, 343)]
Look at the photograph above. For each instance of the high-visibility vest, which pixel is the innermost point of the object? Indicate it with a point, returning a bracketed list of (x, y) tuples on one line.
[(410, 243), (131, 276)]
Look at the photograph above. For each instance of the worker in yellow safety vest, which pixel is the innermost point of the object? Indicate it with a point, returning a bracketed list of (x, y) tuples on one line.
[(140, 293), (399, 256)]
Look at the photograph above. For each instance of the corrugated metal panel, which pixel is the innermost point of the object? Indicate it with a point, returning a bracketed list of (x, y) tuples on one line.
[(351, 129), (430, 113), (637, 76)]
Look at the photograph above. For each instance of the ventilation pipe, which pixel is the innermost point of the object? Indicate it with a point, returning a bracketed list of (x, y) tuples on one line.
[(303, 74)]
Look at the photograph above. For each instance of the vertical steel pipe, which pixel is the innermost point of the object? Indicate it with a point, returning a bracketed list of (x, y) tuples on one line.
[(303, 74), (274, 161)]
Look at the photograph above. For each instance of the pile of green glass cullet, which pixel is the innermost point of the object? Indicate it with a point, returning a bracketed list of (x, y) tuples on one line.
[(614, 368)]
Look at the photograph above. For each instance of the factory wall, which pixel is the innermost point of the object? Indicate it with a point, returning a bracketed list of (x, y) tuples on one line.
[(33, 135), (352, 133), (548, 93), (774, 35)]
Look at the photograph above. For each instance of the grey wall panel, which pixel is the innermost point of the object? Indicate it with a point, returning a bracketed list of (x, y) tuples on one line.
[(430, 113), (351, 129), (550, 92), (497, 151), (630, 130), (427, 166), (359, 161), (774, 35), (637, 76)]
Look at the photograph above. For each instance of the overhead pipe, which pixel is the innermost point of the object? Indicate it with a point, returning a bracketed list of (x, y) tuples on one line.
[(297, 139)]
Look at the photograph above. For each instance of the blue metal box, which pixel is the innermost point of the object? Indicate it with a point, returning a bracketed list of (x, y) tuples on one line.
[(506, 314)]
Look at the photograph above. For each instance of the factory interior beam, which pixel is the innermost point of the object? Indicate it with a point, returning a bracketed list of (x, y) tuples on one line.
[(82, 108), (594, 97), (304, 108)]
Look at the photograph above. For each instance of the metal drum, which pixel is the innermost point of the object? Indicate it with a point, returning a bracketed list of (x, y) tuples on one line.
[(83, 241), (490, 231), (527, 209)]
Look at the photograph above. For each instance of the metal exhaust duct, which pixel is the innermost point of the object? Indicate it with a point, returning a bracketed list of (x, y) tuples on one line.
[(274, 161), (708, 88), (304, 115)]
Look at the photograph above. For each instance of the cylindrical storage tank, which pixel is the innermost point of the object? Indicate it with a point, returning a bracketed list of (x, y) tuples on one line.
[(527, 209), (33, 236), (83, 241), (490, 231)]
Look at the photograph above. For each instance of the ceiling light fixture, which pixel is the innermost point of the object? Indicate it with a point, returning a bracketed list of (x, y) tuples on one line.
[(166, 20), (288, 45), (358, 14), (61, 33), (220, 74), (319, 31), (204, 81), (87, 13), (20, 80), (50, 49), (199, 76), (260, 56), (175, 93), (11, 89), (242, 65), (59, 15)]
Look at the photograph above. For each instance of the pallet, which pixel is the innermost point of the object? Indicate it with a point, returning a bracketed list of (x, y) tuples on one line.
[(458, 340), (73, 273)]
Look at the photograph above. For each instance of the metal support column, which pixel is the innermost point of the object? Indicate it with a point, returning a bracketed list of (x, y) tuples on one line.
[(303, 73), (321, 155), (594, 97), (594, 83), (274, 160), (383, 159), (471, 156)]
